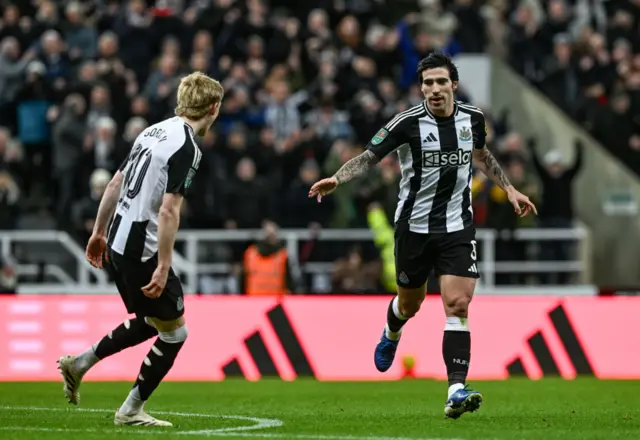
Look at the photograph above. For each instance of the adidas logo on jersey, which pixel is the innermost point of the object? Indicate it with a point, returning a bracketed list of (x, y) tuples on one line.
[(430, 138), (433, 159), (473, 268)]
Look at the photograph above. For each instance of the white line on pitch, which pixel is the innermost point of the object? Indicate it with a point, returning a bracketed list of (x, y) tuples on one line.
[(260, 423), (214, 433)]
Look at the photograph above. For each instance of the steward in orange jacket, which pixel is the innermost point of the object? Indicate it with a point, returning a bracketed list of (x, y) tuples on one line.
[(266, 266)]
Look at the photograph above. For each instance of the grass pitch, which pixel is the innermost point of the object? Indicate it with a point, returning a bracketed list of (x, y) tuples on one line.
[(515, 409)]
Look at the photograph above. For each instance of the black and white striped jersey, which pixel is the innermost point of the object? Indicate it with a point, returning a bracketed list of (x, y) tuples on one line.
[(435, 158), (164, 159)]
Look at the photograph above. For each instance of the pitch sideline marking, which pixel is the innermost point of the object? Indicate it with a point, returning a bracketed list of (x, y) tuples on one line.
[(222, 432), (259, 423)]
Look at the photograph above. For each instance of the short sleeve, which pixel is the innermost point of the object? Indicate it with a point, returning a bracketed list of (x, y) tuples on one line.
[(183, 166), (123, 165), (391, 136), (479, 128)]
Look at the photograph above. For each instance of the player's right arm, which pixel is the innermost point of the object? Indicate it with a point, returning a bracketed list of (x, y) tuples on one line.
[(355, 167), (97, 244), (385, 141), (108, 204)]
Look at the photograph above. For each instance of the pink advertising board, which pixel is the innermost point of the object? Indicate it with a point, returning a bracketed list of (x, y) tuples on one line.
[(329, 337)]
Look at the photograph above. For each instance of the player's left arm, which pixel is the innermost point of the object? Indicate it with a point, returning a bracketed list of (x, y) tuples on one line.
[(108, 204), (488, 164), (181, 168), (482, 157)]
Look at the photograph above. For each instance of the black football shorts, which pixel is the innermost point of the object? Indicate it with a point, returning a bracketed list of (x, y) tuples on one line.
[(131, 276), (416, 255)]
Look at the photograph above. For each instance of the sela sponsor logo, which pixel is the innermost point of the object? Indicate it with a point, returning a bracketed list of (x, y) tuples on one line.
[(432, 159)]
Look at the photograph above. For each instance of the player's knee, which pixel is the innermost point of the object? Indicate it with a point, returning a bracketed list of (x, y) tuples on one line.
[(410, 300), (409, 306), (168, 346), (165, 326), (175, 336), (457, 305)]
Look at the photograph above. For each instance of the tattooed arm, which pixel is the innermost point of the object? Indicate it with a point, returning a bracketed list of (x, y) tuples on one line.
[(350, 170), (357, 166), (486, 162), (489, 165), (385, 141)]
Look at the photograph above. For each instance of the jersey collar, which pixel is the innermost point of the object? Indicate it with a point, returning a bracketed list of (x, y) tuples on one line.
[(190, 129), (432, 116)]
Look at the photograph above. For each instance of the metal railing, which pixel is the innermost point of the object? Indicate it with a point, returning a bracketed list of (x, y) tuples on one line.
[(85, 279)]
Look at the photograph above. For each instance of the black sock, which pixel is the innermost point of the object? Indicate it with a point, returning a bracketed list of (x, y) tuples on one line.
[(129, 333), (156, 366), (456, 351), (393, 321)]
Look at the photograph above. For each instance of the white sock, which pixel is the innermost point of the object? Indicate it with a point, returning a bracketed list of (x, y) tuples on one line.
[(453, 388), (457, 324), (394, 336), (133, 403), (86, 360), (396, 309)]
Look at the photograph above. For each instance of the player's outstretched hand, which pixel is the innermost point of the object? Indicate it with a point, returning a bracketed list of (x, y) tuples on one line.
[(521, 203), (96, 248), (155, 288), (323, 187)]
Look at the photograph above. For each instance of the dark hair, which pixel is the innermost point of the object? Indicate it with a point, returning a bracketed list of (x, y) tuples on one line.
[(435, 60)]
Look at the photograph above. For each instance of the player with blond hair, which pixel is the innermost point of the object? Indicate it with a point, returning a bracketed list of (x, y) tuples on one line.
[(133, 240)]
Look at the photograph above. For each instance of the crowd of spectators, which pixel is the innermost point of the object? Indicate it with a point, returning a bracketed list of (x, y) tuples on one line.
[(307, 84), (585, 56)]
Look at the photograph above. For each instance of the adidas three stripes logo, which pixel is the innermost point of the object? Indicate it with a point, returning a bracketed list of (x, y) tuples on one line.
[(260, 353), (430, 138), (543, 354)]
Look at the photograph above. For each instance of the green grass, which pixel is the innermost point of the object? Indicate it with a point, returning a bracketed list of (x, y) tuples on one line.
[(514, 409)]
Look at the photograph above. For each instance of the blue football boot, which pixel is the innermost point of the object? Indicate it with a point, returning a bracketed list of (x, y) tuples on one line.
[(462, 401), (385, 353)]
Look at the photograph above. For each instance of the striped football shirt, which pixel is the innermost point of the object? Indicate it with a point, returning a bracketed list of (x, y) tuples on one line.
[(435, 158), (164, 159)]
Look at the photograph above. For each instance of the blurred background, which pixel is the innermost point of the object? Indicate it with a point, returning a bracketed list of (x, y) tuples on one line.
[(307, 85)]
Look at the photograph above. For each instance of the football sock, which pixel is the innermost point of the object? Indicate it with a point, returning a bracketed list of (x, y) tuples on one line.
[(158, 362), (86, 360), (456, 351), (133, 403), (395, 320), (129, 333)]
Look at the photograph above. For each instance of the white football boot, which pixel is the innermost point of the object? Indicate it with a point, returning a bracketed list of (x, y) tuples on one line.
[(140, 418), (72, 377)]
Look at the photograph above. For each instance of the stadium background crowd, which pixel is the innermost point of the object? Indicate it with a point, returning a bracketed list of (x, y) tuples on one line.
[(307, 85)]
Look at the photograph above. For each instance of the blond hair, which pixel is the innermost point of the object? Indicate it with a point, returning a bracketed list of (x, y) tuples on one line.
[(196, 94)]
